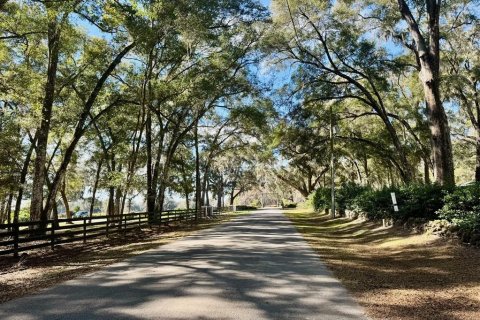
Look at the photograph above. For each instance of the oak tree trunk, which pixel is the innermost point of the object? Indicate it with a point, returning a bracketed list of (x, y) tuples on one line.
[(82, 125), (198, 183), (187, 201), (95, 186), (477, 147), (426, 171), (63, 194), (36, 212), (3, 211), (151, 194), (440, 135), (220, 192), (427, 51)]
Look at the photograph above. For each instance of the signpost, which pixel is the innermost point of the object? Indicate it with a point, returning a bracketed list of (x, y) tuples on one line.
[(394, 201), (395, 206)]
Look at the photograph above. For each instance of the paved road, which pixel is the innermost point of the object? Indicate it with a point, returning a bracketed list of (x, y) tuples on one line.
[(254, 267)]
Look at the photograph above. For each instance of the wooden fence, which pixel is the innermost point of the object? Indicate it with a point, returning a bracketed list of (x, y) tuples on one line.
[(23, 236)]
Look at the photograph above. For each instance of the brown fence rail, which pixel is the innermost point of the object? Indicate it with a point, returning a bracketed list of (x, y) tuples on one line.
[(23, 236)]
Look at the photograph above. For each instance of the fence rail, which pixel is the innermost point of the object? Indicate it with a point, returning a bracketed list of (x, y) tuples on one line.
[(24, 236)]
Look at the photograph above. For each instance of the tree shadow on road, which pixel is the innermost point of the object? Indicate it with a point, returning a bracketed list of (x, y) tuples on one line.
[(264, 271)]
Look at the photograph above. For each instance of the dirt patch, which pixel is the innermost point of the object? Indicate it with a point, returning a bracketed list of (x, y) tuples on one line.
[(44, 268), (395, 274)]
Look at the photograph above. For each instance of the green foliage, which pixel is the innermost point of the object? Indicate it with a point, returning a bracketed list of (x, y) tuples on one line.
[(245, 208), (462, 207), (346, 194), (287, 204), (321, 199), (422, 201), (255, 203), (24, 215), (376, 204), (414, 201)]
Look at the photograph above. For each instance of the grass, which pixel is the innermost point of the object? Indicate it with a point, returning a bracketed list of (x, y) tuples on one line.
[(393, 273), (44, 268)]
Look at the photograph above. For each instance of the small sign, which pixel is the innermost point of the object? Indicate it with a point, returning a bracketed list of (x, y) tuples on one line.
[(394, 201)]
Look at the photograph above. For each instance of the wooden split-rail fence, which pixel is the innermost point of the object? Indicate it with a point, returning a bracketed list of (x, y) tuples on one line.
[(25, 236)]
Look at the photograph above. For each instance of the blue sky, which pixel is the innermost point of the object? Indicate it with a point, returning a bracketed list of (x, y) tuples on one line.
[(265, 2)]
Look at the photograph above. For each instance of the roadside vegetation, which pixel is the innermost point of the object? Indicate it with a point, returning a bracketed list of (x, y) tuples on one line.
[(449, 211), (395, 273)]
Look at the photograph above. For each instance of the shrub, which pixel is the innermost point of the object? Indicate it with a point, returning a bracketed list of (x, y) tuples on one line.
[(244, 208), (308, 203), (291, 205), (321, 199), (414, 201), (23, 215), (347, 193), (376, 204), (459, 207), (462, 207), (420, 201), (255, 203)]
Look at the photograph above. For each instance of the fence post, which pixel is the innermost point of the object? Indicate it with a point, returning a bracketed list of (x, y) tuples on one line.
[(15, 239), (107, 226), (52, 236), (140, 220), (84, 230)]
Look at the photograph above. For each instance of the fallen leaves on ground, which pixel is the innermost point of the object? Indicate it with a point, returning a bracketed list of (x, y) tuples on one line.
[(393, 273)]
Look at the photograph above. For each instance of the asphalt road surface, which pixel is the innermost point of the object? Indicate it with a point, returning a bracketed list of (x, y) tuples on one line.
[(256, 267)]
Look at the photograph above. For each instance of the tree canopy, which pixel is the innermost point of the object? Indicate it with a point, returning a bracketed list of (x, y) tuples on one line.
[(117, 102)]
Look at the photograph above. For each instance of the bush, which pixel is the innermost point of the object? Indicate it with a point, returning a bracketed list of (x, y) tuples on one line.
[(255, 203), (347, 193), (376, 204), (462, 208), (414, 201), (420, 201), (459, 207), (23, 215), (289, 205), (244, 208), (321, 199)]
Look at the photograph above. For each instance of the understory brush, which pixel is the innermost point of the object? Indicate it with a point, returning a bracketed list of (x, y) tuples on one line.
[(458, 207)]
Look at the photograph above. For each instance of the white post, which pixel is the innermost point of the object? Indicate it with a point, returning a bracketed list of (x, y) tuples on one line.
[(394, 201), (395, 206)]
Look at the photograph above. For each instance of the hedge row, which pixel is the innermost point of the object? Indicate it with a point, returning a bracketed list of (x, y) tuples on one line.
[(459, 205)]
